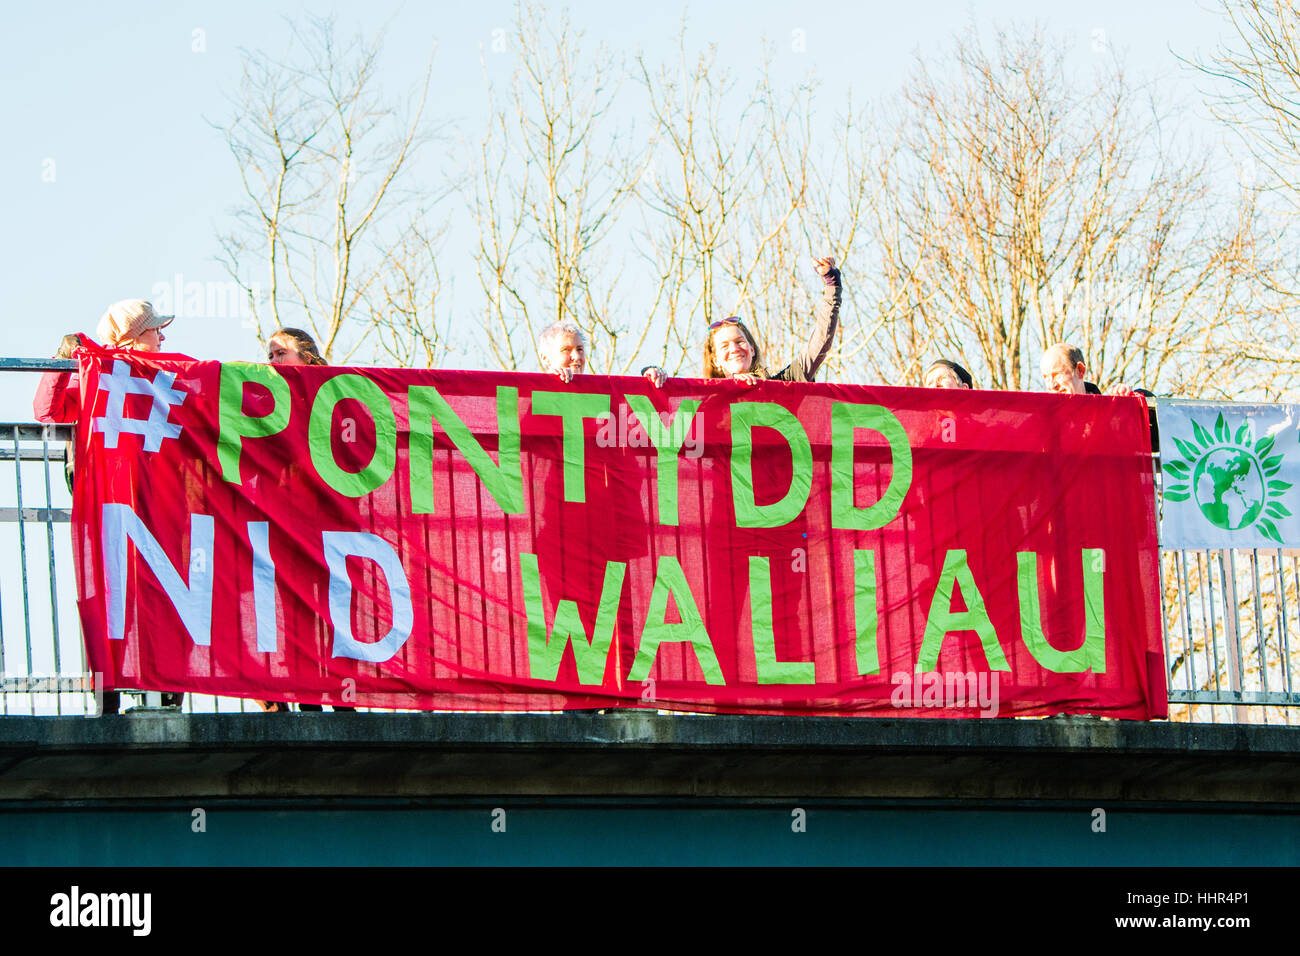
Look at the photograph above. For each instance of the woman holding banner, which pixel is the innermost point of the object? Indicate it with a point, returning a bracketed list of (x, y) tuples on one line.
[(289, 346), (731, 351), (129, 324), (293, 347)]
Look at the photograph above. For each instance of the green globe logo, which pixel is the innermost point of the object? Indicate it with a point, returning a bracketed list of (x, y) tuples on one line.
[(1229, 487), (1230, 479)]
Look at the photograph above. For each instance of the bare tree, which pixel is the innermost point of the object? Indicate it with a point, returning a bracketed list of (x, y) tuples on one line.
[(839, 214), (552, 173), (407, 303), (322, 158), (992, 207), (1021, 206), (1259, 93), (727, 229)]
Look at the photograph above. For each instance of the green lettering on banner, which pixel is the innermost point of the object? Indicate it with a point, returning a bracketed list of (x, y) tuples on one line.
[(745, 417), (668, 443), (670, 579), (845, 418), (768, 668), (380, 467), (1092, 654), (572, 407), (545, 654), (233, 425), (503, 479), (943, 619), (865, 613)]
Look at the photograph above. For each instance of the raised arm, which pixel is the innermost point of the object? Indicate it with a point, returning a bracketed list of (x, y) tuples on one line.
[(814, 353)]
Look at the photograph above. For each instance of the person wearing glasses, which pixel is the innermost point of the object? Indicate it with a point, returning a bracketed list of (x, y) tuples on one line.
[(129, 324), (732, 351)]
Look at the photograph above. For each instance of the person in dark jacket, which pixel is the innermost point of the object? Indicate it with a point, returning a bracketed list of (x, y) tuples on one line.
[(732, 351)]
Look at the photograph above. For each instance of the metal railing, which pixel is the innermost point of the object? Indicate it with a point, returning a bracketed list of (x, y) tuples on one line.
[(36, 451), (1231, 618), (1231, 632)]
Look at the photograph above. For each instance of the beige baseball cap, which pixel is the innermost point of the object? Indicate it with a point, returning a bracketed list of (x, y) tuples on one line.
[(128, 319)]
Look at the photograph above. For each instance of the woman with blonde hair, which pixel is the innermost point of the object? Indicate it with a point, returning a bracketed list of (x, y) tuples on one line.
[(129, 324)]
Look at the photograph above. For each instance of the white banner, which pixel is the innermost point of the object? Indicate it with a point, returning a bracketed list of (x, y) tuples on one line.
[(1231, 475)]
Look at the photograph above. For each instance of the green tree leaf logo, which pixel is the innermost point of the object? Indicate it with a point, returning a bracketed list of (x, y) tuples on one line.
[(1232, 481)]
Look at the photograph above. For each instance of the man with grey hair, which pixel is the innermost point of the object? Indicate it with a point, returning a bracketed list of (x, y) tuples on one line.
[(562, 347)]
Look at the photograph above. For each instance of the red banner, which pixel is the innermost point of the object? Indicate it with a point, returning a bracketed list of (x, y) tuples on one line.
[(491, 541)]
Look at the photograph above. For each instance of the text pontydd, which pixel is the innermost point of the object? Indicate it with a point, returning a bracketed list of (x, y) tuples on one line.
[(500, 479)]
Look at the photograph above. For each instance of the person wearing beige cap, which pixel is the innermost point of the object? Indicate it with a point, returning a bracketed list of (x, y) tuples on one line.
[(128, 324), (133, 324)]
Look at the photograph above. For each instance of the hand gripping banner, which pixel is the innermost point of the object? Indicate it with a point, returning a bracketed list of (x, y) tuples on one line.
[(492, 541)]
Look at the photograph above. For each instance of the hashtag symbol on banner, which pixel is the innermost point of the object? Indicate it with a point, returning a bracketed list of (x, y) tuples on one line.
[(154, 428)]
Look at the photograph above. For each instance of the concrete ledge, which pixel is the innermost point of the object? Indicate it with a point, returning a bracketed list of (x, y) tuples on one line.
[(165, 755)]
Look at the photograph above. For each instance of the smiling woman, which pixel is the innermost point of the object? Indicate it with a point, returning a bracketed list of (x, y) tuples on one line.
[(732, 351), (293, 347)]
